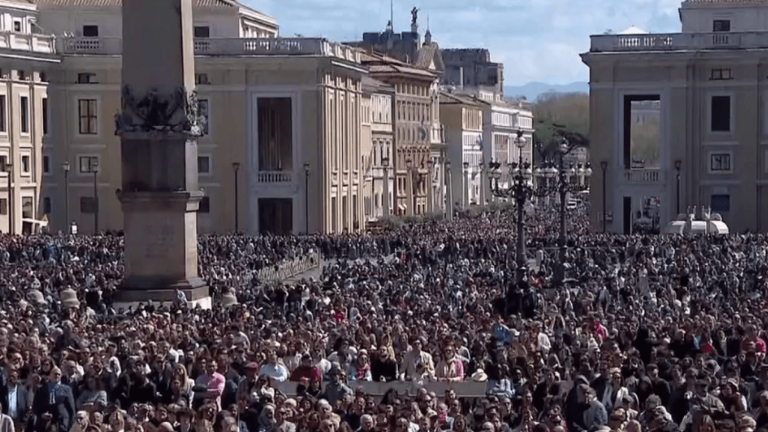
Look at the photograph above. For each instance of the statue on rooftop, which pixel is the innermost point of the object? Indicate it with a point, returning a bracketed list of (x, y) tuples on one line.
[(414, 15)]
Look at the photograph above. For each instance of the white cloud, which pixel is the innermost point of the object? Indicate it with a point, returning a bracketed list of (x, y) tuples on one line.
[(537, 40)]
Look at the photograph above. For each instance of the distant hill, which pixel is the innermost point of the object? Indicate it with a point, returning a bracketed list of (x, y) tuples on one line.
[(532, 90)]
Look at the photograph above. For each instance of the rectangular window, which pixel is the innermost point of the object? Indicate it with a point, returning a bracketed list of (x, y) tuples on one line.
[(47, 205), (27, 208), (86, 78), (24, 107), (203, 165), (3, 163), (90, 31), (87, 115), (720, 203), (87, 204), (26, 166), (720, 162), (45, 116), (201, 79), (720, 114), (3, 118), (202, 32), (721, 25), (205, 205), (17, 26), (203, 106), (46, 164), (3, 206), (88, 164), (21, 75), (720, 74)]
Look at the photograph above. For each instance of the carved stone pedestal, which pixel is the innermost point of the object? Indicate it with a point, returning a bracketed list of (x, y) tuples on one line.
[(161, 248)]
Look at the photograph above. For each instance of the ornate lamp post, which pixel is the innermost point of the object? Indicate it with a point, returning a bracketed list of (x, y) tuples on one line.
[(678, 165), (604, 167), (306, 197), (449, 186), (95, 169), (235, 169), (410, 210), (466, 185), (65, 168), (385, 167)]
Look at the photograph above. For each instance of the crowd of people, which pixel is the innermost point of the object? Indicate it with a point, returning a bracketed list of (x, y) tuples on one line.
[(635, 334)]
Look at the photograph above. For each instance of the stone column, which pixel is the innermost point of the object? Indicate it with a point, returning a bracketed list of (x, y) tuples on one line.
[(158, 125), (449, 200), (385, 192)]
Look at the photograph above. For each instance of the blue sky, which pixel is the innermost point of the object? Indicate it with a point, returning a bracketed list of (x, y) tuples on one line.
[(537, 40)]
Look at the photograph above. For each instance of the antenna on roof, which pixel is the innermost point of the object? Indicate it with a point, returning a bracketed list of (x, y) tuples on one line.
[(427, 22), (392, 14)]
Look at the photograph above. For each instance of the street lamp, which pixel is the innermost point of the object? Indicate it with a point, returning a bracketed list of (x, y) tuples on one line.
[(95, 169), (410, 210), (65, 167), (385, 165), (235, 169), (604, 167), (466, 185), (449, 186), (429, 185), (678, 165), (8, 169), (306, 197)]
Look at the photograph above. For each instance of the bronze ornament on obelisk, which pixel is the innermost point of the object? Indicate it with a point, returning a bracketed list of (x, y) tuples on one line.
[(158, 125)]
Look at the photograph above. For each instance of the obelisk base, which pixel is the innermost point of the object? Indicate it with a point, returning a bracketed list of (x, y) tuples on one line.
[(161, 249), (134, 291)]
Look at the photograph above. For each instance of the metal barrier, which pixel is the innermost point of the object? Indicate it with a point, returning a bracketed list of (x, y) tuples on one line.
[(463, 389), (285, 270)]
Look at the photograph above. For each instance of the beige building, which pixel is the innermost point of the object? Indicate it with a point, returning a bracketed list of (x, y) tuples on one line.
[(282, 146), (463, 119), (417, 135), (708, 82), (25, 127), (377, 144)]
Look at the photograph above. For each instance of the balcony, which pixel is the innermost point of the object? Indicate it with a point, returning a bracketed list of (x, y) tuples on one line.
[(224, 47), (35, 43), (646, 175), (274, 177), (678, 42)]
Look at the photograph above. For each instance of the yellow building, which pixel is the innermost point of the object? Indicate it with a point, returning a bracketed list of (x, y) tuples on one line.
[(706, 86), (282, 146)]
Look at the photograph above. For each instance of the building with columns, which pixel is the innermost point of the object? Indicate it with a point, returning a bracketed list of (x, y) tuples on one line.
[(281, 151), (25, 128), (708, 84), (463, 119), (377, 144)]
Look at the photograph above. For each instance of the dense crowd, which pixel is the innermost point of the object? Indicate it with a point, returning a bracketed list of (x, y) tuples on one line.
[(644, 334)]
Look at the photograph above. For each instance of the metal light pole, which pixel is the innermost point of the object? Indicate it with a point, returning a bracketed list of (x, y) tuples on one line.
[(466, 185), (8, 169), (604, 167), (409, 187), (95, 169), (563, 186), (306, 197), (482, 184), (678, 165), (449, 186), (385, 166), (235, 169), (65, 167)]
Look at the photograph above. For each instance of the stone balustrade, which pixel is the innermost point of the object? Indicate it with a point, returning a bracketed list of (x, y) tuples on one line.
[(285, 270), (223, 47), (647, 175), (678, 41), (35, 43), (463, 389), (274, 176)]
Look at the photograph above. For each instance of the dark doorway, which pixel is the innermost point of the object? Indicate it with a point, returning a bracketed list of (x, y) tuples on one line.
[(275, 215), (642, 120), (627, 215)]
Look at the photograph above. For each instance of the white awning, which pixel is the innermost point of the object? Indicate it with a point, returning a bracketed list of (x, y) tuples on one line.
[(42, 223), (402, 207)]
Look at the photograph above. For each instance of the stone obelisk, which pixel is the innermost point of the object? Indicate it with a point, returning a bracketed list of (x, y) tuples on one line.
[(158, 125)]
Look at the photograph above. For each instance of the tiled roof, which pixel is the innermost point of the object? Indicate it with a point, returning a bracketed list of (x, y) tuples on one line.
[(110, 3)]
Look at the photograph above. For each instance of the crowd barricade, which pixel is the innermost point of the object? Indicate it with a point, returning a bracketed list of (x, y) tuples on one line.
[(285, 270), (463, 389)]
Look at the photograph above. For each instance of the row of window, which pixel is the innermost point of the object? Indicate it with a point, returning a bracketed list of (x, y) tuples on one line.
[(24, 112)]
